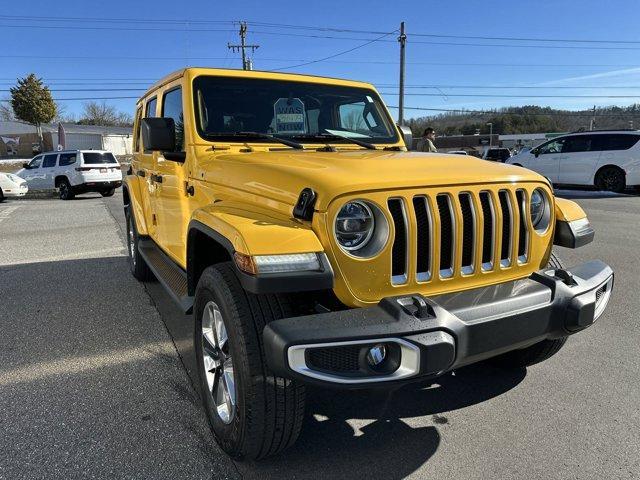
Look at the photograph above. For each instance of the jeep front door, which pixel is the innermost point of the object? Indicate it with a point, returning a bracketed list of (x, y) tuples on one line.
[(145, 170)]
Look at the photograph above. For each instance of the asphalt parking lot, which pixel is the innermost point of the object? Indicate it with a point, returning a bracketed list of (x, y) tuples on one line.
[(95, 376)]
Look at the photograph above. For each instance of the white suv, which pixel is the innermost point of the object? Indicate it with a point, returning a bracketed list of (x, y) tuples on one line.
[(73, 172), (608, 160)]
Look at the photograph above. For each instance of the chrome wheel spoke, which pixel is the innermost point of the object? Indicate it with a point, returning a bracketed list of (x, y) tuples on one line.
[(218, 365)]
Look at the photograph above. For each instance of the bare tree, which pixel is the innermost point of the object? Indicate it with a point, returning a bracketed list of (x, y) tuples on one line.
[(95, 113), (6, 112)]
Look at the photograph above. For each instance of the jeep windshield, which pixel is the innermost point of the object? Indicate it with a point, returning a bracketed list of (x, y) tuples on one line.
[(306, 112)]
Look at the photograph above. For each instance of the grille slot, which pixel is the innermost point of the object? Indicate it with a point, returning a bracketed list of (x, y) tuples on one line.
[(423, 237), (507, 227), (488, 234), (468, 232), (339, 359), (523, 237), (399, 253), (447, 235)]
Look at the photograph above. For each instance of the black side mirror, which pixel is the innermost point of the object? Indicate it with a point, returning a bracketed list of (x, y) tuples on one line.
[(536, 153), (407, 136), (26, 166), (159, 134)]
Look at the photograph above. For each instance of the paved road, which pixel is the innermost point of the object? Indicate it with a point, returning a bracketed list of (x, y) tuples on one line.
[(94, 376)]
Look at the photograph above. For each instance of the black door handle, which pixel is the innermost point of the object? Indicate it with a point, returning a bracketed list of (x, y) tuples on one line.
[(141, 173), (156, 178)]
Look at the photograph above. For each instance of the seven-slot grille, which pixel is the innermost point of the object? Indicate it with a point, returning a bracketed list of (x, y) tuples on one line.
[(498, 220)]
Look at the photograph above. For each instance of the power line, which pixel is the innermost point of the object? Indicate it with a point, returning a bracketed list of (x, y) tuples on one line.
[(517, 87), (336, 54), (496, 112), (84, 98), (511, 96)]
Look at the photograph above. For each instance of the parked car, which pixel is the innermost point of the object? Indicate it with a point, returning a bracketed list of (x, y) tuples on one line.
[(286, 214), (457, 152), (606, 159), (12, 186), (73, 172), (497, 154)]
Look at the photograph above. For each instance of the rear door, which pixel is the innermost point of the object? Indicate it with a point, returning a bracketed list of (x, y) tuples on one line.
[(616, 149), (546, 159), (580, 154), (146, 171)]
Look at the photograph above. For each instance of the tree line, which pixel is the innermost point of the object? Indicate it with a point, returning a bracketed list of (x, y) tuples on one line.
[(528, 119)]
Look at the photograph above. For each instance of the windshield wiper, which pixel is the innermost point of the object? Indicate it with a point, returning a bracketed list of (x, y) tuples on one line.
[(266, 136), (329, 136)]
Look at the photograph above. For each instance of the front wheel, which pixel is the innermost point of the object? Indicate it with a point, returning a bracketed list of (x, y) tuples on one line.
[(253, 413), (138, 266), (1, 196), (108, 193), (64, 190), (537, 352)]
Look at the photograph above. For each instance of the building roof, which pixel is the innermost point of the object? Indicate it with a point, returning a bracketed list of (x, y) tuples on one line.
[(18, 128)]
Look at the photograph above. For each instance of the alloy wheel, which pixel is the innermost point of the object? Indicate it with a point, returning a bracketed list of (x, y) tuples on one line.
[(218, 364)]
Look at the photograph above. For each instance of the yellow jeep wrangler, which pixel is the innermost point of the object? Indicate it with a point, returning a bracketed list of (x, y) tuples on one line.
[(286, 212)]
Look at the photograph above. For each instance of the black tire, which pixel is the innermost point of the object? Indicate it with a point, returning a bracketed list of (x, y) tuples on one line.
[(108, 193), (138, 266), (269, 410), (64, 190), (610, 179), (1, 196), (538, 352)]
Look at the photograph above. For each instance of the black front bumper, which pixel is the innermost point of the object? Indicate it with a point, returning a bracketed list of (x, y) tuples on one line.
[(429, 336)]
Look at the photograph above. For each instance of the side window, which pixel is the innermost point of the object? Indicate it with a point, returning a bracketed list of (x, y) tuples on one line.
[(67, 159), (136, 135), (150, 109), (35, 163), (555, 146), (49, 160), (619, 141), (579, 143), (172, 108), (150, 112)]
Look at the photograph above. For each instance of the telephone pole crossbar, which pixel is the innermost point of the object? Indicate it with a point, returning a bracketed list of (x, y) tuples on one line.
[(246, 61)]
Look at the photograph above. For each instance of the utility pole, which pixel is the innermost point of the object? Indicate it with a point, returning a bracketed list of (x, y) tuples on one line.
[(490, 124), (593, 119), (246, 62), (403, 41)]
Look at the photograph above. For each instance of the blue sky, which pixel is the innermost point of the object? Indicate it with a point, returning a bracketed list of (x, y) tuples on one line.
[(72, 55)]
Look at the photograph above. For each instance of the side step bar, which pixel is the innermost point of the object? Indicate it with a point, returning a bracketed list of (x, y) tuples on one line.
[(172, 277)]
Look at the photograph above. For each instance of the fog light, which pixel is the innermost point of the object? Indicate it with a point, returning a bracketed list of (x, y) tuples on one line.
[(376, 355)]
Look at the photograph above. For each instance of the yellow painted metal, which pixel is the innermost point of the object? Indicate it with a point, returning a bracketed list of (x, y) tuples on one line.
[(246, 192), (568, 211), (132, 184)]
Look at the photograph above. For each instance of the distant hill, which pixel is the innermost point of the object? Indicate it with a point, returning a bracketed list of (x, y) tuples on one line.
[(527, 119)]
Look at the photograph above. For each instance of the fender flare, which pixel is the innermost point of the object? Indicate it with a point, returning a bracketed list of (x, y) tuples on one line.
[(132, 199)]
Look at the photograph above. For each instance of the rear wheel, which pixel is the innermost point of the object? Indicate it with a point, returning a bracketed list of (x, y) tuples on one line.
[(108, 193), (64, 189), (253, 413), (610, 179), (138, 266), (537, 352)]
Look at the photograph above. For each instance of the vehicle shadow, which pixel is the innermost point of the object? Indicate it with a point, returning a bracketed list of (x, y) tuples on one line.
[(576, 194), (356, 434)]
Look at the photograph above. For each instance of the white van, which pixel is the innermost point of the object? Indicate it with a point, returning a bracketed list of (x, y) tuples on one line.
[(606, 159), (73, 172)]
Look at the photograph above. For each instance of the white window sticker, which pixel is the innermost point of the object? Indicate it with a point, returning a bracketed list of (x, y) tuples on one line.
[(289, 114)]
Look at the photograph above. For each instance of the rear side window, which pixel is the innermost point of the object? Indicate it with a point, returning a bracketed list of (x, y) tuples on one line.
[(617, 141), (150, 110), (49, 161), (94, 158), (172, 107), (67, 159), (579, 143)]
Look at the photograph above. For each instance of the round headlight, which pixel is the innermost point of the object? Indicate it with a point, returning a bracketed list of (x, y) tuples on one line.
[(537, 207), (354, 225)]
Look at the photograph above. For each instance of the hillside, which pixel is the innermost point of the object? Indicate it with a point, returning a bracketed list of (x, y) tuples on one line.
[(527, 119)]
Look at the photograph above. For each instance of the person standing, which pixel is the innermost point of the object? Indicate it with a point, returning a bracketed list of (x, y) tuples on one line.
[(425, 144)]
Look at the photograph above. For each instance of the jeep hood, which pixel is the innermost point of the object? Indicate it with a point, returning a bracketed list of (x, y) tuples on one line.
[(282, 175)]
